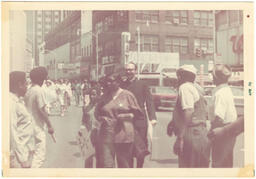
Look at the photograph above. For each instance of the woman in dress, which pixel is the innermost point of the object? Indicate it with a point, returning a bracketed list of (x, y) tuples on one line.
[(92, 126), (117, 110)]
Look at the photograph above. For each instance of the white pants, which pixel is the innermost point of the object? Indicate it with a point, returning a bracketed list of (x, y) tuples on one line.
[(40, 148), (14, 162)]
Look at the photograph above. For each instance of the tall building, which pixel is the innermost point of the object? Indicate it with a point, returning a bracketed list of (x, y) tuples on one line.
[(42, 22), (189, 33)]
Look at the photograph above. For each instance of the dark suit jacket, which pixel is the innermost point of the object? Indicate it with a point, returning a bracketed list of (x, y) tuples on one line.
[(143, 95)]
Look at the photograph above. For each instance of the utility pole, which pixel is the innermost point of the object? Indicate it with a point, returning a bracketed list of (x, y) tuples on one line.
[(138, 54), (97, 57)]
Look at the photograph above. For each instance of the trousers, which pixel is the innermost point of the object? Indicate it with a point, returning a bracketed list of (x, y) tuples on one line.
[(40, 148), (14, 162), (121, 151), (196, 148)]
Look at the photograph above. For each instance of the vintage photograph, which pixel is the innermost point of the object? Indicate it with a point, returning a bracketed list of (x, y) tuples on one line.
[(126, 88)]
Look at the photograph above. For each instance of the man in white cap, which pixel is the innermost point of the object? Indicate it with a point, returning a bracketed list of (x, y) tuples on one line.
[(189, 121), (222, 114)]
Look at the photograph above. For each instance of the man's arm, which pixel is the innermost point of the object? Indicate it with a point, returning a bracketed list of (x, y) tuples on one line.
[(44, 113), (232, 129), (150, 104), (42, 105)]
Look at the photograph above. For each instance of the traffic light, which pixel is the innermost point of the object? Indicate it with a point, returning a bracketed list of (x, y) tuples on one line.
[(198, 52)]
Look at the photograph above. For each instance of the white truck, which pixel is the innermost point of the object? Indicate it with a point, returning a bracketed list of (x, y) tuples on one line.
[(155, 66)]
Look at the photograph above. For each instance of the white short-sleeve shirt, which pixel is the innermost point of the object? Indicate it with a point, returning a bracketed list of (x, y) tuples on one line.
[(35, 99), (224, 106), (188, 95)]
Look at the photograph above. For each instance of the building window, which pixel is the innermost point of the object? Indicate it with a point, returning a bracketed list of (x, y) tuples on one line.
[(233, 17), (176, 45), (48, 26), (108, 23), (99, 27), (151, 16), (47, 20), (176, 17), (148, 43), (204, 44), (122, 16), (241, 17), (184, 17), (203, 18)]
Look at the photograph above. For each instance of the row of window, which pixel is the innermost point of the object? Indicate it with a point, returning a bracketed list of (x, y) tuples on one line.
[(87, 51), (172, 44), (108, 22), (104, 25), (229, 18), (201, 18), (75, 50)]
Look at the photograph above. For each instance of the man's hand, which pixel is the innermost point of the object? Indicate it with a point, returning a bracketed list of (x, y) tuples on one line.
[(216, 133), (178, 146), (50, 130), (153, 122)]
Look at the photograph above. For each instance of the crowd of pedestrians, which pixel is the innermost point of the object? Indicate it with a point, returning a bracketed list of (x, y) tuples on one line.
[(117, 112)]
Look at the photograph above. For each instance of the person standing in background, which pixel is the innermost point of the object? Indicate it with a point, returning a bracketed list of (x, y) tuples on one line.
[(143, 95), (78, 93), (21, 124), (92, 126), (37, 106), (222, 114), (189, 119)]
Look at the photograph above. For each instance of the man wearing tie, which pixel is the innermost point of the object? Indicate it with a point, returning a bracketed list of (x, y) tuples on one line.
[(141, 91)]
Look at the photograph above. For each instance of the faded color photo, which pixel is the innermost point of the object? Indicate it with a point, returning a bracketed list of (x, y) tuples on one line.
[(126, 89)]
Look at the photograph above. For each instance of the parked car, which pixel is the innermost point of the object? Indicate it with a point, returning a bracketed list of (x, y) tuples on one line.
[(164, 97), (238, 93)]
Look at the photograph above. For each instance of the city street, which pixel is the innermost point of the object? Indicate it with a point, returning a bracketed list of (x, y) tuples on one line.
[(65, 152)]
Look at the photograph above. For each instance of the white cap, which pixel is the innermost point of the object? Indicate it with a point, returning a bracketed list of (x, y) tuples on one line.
[(189, 68)]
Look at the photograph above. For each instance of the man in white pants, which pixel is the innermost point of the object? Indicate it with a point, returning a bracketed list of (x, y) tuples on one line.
[(37, 106), (21, 125)]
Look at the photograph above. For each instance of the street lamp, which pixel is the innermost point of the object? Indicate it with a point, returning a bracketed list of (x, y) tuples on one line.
[(138, 53)]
